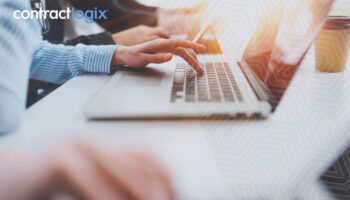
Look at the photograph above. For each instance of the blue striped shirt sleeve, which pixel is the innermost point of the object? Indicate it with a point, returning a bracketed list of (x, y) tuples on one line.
[(59, 63)]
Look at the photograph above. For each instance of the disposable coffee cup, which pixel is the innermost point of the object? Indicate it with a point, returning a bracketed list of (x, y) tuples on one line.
[(332, 45)]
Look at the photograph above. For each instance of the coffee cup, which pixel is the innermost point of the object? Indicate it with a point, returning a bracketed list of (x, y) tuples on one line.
[(332, 45)]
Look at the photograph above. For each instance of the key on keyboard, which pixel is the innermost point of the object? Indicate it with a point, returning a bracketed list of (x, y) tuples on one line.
[(217, 84)]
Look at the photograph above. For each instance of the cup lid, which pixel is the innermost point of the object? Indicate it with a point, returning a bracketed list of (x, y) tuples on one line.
[(337, 23)]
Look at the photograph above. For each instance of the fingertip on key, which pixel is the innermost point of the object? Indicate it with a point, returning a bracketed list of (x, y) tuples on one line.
[(200, 70)]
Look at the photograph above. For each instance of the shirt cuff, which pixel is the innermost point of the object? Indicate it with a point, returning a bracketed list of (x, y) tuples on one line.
[(99, 58)]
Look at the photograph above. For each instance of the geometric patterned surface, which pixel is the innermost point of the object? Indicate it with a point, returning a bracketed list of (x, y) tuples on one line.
[(259, 156), (254, 157), (337, 177), (247, 154)]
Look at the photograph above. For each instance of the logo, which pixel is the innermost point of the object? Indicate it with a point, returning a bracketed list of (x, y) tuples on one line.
[(70, 13)]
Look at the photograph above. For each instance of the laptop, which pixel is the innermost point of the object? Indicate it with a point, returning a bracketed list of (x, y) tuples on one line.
[(250, 88)]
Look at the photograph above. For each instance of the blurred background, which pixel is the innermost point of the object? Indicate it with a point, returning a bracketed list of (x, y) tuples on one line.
[(234, 15)]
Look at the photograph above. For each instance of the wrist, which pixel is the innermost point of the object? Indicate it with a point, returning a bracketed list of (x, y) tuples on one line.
[(115, 37), (118, 56), (159, 11)]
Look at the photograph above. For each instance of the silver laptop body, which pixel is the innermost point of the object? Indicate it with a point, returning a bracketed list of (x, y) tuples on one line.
[(251, 88), (174, 90)]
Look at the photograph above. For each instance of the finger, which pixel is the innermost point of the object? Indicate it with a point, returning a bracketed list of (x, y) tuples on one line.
[(158, 189), (169, 45), (157, 58), (163, 174), (193, 53), (197, 8), (152, 177), (161, 33), (126, 171), (80, 172), (186, 55), (137, 179), (153, 37), (123, 172), (180, 43), (119, 167)]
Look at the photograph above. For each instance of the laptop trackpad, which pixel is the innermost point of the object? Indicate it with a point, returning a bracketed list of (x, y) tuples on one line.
[(140, 78)]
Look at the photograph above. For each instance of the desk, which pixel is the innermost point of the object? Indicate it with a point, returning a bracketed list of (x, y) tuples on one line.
[(277, 157), (281, 157)]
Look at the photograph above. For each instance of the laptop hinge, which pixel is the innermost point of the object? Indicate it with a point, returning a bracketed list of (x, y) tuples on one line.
[(257, 85)]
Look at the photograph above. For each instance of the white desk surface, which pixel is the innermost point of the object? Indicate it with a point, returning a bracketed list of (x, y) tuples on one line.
[(276, 157), (281, 157)]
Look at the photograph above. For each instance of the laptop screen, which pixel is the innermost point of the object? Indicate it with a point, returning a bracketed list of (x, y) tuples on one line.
[(282, 39)]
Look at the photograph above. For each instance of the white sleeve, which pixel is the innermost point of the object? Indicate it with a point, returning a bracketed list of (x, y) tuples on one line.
[(18, 39)]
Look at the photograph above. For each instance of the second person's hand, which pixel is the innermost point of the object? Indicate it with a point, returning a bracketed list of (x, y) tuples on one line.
[(85, 169), (158, 51), (138, 35)]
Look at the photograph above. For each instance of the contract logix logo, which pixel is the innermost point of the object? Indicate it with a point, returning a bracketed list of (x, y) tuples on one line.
[(70, 13)]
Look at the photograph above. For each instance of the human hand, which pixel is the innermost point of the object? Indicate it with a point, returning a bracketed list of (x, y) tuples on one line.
[(183, 20), (98, 172), (139, 34), (185, 11), (84, 170), (159, 51)]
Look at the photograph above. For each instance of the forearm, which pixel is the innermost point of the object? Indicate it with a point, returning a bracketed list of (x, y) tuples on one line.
[(104, 38), (59, 63)]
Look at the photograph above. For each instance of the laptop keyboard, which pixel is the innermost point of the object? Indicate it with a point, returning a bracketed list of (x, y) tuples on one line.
[(217, 84)]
